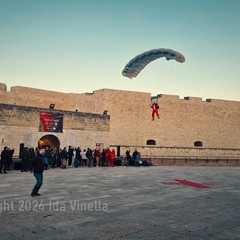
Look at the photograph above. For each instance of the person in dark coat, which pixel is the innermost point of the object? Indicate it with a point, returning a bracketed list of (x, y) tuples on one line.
[(70, 155), (78, 158), (103, 157), (4, 160), (25, 156), (37, 169), (128, 157), (89, 155), (134, 157), (64, 157), (54, 157), (32, 155), (10, 158), (59, 157)]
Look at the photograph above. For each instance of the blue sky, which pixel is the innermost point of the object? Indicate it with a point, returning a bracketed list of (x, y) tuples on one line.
[(80, 46)]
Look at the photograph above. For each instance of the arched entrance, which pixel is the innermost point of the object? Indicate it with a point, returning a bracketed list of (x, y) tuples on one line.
[(49, 140)]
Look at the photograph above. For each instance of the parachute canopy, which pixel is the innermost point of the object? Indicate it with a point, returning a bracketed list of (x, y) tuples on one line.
[(136, 65)]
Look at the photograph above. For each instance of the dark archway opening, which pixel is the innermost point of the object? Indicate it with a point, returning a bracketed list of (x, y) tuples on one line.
[(49, 140)]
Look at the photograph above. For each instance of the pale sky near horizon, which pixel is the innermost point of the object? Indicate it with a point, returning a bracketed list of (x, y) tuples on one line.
[(81, 46)]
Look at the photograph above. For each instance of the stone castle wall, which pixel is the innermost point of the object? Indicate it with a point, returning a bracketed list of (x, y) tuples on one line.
[(20, 124), (182, 121), (215, 123)]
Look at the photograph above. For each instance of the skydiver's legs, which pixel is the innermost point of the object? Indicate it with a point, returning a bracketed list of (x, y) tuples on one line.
[(153, 113)]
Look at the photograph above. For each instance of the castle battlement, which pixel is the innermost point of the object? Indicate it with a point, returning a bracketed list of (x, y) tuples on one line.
[(184, 123)]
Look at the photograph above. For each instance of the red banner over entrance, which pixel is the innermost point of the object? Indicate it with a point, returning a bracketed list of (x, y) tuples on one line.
[(51, 122)]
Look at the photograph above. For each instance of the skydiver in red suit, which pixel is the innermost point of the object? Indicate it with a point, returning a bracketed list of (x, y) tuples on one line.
[(155, 108)]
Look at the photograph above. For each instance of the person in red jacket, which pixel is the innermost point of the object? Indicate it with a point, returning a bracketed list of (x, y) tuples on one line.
[(108, 156), (155, 108), (112, 157), (97, 156)]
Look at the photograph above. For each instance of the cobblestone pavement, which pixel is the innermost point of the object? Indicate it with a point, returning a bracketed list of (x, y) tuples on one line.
[(122, 203)]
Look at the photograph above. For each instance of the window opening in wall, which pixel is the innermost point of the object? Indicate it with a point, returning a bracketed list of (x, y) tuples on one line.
[(151, 142), (198, 144)]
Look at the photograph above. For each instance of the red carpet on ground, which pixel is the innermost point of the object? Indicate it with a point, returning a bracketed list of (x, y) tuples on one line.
[(186, 182), (193, 184)]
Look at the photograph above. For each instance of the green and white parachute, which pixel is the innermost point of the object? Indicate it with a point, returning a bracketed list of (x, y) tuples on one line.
[(136, 65)]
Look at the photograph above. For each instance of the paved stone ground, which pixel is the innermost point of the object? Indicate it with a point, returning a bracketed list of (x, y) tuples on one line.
[(121, 203)]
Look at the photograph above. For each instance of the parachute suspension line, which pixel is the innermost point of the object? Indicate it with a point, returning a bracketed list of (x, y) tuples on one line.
[(170, 73)]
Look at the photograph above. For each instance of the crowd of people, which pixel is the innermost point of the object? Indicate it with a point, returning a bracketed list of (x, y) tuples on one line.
[(59, 158), (68, 157)]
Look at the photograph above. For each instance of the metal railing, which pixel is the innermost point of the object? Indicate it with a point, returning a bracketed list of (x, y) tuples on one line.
[(191, 159)]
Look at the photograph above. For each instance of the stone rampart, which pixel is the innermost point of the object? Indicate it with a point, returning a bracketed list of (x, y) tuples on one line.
[(183, 122)]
